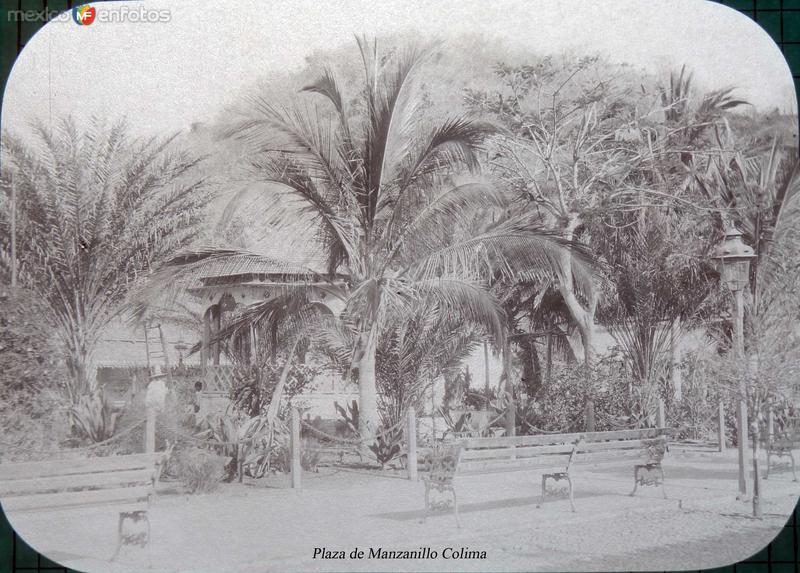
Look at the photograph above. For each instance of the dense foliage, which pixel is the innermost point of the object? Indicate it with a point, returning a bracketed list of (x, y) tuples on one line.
[(95, 210)]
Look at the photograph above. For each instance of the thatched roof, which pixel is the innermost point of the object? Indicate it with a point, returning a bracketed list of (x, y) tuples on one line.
[(122, 346), (241, 265)]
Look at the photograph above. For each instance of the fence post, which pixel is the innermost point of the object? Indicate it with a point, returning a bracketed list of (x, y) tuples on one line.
[(411, 444), (150, 431), (511, 423), (297, 468), (721, 427), (511, 418), (662, 418)]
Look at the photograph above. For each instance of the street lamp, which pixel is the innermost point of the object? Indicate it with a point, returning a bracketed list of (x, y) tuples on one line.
[(181, 347), (733, 258)]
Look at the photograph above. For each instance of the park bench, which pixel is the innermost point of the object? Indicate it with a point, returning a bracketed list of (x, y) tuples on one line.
[(781, 445), (125, 481), (554, 455)]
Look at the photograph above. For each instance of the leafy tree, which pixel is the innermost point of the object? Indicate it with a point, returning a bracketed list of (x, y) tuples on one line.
[(563, 152), (95, 210)]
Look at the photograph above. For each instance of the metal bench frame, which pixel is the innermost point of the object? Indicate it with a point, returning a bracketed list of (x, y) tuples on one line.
[(558, 476), (447, 459), (655, 453), (128, 481), (443, 466), (781, 447)]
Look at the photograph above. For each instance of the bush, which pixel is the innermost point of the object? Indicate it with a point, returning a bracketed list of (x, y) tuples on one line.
[(32, 377), (93, 417), (618, 402), (201, 471), (253, 384), (387, 447)]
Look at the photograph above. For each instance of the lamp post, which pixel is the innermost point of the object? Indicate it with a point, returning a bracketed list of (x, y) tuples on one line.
[(733, 258), (181, 347)]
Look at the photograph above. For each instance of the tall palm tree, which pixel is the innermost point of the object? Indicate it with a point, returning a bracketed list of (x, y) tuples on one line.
[(95, 211), (384, 191)]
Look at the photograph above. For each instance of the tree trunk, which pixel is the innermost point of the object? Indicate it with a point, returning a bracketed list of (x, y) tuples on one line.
[(78, 363), (675, 351), (583, 315), (368, 420), (531, 368)]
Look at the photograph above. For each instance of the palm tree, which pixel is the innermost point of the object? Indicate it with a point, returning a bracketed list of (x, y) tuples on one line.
[(660, 276), (386, 193), (414, 351), (95, 211)]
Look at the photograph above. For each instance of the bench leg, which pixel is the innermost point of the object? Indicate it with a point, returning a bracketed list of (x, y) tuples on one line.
[(455, 508), (119, 537), (142, 539), (427, 502), (571, 498), (635, 480), (663, 482), (544, 488)]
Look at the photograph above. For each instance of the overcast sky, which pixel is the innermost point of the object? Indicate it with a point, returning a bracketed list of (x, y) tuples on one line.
[(168, 75)]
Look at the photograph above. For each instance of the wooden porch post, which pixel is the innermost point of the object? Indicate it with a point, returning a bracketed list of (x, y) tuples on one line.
[(204, 350), (216, 316)]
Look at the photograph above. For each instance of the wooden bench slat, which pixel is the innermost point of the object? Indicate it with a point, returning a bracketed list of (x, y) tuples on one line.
[(59, 483), (607, 446), (493, 466), (524, 451), (76, 498), (609, 456), (51, 468), (541, 440)]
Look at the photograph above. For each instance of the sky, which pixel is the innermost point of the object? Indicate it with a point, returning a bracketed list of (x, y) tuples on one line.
[(167, 75)]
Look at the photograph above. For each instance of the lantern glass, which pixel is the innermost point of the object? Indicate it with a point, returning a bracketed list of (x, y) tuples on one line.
[(736, 273)]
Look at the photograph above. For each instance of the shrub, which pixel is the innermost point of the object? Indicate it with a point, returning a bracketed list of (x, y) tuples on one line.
[(387, 447), (200, 470), (349, 415), (253, 384), (93, 417), (560, 405), (32, 377)]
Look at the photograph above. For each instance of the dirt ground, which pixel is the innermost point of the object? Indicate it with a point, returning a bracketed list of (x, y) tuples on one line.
[(264, 525)]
